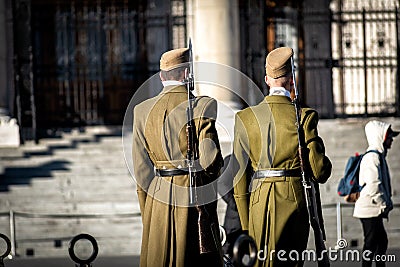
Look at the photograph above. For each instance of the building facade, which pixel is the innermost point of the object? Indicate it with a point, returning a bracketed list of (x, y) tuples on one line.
[(75, 63)]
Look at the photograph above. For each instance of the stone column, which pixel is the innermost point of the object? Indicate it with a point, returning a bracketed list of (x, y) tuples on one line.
[(9, 130), (3, 62), (214, 29)]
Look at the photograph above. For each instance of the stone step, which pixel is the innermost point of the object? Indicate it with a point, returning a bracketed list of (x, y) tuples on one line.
[(74, 154), (73, 206), (74, 196), (69, 226), (108, 246), (80, 173), (60, 168), (44, 187)]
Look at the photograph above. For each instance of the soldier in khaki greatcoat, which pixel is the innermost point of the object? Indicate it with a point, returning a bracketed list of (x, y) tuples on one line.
[(170, 236), (268, 189)]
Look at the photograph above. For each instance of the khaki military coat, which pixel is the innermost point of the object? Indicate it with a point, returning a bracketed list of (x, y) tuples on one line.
[(160, 141), (273, 209)]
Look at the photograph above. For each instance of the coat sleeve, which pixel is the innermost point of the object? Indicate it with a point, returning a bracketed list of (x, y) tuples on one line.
[(142, 165), (241, 161), (209, 146), (320, 164)]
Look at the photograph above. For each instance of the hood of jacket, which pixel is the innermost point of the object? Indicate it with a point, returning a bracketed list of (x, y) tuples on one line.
[(375, 132)]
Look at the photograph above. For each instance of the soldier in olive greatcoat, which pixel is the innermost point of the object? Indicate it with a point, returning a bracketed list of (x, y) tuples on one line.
[(170, 234), (268, 189)]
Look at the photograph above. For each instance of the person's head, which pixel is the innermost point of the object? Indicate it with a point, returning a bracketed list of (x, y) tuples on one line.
[(278, 68), (379, 134), (390, 134), (174, 64)]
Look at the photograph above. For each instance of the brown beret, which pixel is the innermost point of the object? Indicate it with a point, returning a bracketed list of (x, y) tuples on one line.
[(278, 62), (174, 58)]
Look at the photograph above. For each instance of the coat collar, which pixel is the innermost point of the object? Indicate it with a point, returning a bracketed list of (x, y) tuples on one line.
[(278, 99), (174, 89)]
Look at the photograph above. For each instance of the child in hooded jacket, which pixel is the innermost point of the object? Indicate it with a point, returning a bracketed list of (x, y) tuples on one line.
[(374, 203)]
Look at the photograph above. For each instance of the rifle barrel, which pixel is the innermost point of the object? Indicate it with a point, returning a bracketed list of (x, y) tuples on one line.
[(208, 230), (309, 190)]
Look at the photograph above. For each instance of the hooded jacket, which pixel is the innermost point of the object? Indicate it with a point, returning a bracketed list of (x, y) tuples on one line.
[(375, 197)]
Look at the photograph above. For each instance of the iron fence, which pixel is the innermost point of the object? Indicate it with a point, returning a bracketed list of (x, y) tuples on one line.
[(336, 227), (365, 44), (13, 228)]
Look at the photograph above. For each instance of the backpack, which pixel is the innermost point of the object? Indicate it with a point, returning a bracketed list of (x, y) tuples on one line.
[(349, 187)]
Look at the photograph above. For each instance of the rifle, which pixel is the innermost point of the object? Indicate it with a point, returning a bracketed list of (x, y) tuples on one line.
[(208, 230), (311, 190)]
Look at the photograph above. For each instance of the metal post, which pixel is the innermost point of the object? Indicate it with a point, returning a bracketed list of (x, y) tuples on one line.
[(12, 233), (338, 223)]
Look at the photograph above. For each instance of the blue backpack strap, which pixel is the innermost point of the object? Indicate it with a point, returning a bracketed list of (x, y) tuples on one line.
[(382, 164), (373, 150)]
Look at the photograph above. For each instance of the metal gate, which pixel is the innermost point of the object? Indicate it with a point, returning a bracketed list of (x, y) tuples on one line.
[(89, 57), (365, 44), (266, 25)]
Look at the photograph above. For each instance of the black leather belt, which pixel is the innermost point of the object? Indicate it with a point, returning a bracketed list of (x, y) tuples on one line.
[(171, 172), (277, 173)]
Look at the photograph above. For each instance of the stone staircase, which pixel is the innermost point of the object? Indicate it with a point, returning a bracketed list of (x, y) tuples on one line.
[(79, 183), (65, 186)]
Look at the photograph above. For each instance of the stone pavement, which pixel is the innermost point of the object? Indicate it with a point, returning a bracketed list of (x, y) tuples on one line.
[(79, 183)]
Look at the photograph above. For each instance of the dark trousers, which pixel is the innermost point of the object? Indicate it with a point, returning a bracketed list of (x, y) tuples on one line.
[(375, 240)]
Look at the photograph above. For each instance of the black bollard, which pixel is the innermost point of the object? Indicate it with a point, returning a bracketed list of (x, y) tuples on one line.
[(83, 262), (8, 250), (239, 253)]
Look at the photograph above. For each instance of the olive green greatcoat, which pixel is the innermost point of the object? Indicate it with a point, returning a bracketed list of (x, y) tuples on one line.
[(160, 141), (273, 209)]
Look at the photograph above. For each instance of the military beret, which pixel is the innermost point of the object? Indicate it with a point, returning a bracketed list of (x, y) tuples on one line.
[(174, 58), (278, 62)]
